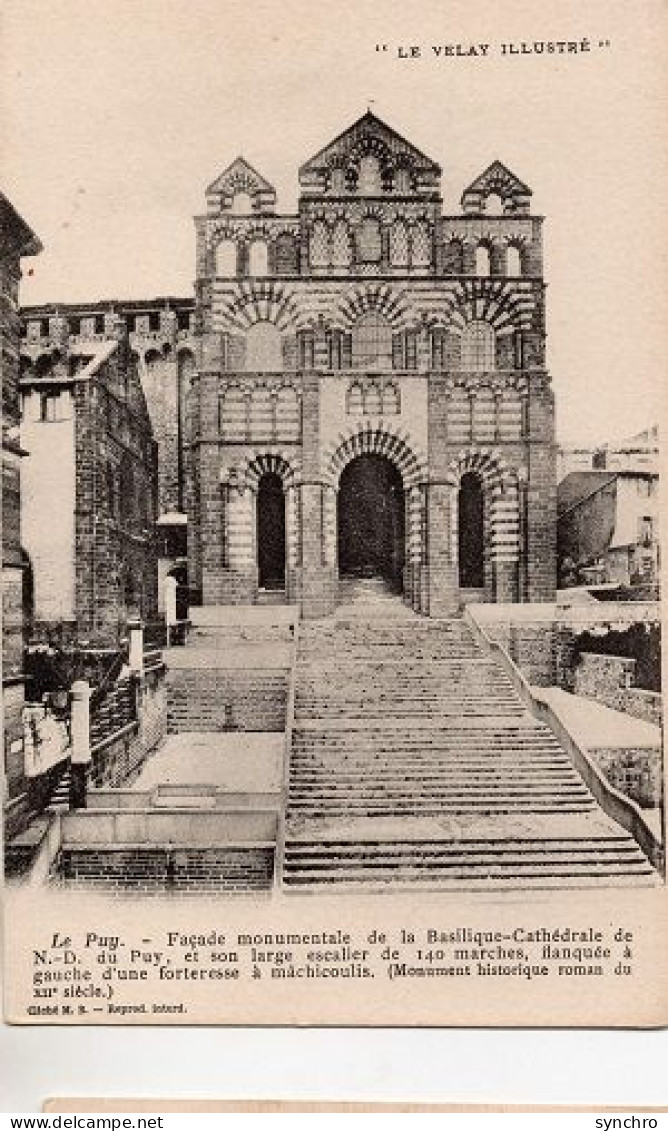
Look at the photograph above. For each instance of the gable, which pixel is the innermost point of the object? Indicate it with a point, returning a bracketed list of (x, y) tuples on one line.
[(369, 137), (499, 179), (240, 177)]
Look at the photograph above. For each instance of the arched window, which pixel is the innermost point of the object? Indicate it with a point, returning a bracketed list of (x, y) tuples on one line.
[(399, 256), (319, 245), (471, 532), (368, 181), (270, 526), (355, 398), (226, 258), (421, 249), (483, 260), (513, 262), (242, 204), (372, 342), (258, 259), (285, 254), (263, 348), (340, 245), (478, 347), (369, 241), (494, 204)]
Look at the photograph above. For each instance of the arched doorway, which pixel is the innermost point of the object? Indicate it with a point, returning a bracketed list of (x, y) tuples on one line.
[(271, 531), (371, 520), (471, 532)]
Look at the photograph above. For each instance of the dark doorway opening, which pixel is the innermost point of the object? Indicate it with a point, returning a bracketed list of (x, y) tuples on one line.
[(271, 532), (471, 533), (371, 520)]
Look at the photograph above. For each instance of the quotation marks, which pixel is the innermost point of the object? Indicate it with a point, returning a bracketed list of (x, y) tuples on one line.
[(381, 47), (604, 42)]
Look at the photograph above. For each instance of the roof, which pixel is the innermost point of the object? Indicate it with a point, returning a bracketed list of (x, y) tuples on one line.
[(376, 125), (15, 234), (497, 177), (239, 171), (580, 485)]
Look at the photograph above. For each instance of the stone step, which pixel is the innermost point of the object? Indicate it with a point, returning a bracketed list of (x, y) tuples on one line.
[(400, 725), (374, 777), (503, 861), (312, 809)]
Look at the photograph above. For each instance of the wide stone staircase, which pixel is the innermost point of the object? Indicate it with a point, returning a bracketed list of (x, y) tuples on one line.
[(414, 761)]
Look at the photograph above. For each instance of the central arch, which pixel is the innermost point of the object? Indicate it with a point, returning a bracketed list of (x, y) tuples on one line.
[(371, 527)]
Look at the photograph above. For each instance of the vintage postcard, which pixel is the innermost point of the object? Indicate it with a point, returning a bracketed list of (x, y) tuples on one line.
[(333, 358)]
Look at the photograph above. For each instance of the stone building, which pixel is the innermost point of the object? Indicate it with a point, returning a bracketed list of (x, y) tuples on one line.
[(370, 397), (17, 241), (357, 391), (161, 336), (90, 483)]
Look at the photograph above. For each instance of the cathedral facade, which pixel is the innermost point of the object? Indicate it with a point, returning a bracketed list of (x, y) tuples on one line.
[(369, 398)]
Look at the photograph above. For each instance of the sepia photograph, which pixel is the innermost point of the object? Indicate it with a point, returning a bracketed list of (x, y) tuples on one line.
[(333, 355)]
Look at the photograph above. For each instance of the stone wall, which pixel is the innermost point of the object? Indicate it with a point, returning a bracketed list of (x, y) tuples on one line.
[(542, 640), (117, 761), (528, 634), (610, 680), (152, 871), (116, 494), (637, 773)]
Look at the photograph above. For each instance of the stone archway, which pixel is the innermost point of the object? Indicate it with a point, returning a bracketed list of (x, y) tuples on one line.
[(371, 525), (485, 526), (406, 481)]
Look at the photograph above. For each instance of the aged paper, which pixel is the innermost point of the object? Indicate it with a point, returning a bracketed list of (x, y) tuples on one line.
[(276, 1106), (377, 769)]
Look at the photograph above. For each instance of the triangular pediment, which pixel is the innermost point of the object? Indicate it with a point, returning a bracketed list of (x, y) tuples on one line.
[(369, 136), (240, 176), (497, 178)]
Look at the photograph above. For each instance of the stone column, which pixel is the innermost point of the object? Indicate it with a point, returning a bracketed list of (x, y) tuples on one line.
[(443, 589), (170, 606), (498, 259), (136, 644), (414, 531), (316, 580), (81, 752)]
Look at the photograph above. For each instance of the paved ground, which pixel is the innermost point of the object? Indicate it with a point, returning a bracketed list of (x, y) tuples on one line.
[(238, 762)]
